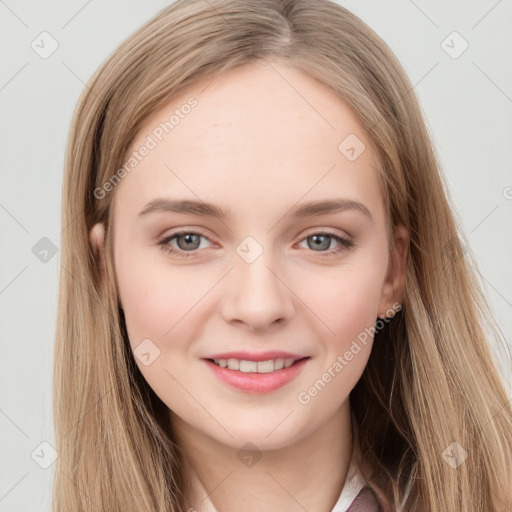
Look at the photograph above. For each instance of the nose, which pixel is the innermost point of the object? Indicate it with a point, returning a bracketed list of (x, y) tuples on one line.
[(257, 294)]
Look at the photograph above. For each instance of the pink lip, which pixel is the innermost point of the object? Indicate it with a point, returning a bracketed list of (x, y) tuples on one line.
[(256, 382), (255, 356)]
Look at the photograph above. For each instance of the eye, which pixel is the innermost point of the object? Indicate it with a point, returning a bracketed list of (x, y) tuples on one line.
[(322, 240), (187, 241), (190, 241)]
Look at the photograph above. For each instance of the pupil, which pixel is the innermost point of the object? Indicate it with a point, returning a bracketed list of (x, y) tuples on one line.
[(189, 239), (321, 244)]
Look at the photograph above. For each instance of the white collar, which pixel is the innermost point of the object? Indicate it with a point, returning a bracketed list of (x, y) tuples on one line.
[(354, 482)]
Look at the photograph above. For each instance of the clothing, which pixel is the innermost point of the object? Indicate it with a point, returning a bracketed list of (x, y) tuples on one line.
[(356, 495), (365, 502)]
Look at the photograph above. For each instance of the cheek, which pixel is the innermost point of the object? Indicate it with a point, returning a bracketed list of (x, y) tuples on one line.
[(346, 302), (161, 302), (345, 299)]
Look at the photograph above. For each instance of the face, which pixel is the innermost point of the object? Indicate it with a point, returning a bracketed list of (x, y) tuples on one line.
[(270, 275)]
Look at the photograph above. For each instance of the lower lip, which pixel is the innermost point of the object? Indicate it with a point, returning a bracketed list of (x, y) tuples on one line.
[(257, 382)]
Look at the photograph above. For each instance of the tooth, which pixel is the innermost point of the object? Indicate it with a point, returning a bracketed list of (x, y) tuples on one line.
[(279, 363), (248, 366), (233, 364), (288, 362), (254, 366), (266, 366)]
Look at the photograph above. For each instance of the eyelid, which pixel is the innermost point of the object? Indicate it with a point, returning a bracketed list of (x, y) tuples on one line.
[(345, 242), (187, 230), (311, 231), (327, 231)]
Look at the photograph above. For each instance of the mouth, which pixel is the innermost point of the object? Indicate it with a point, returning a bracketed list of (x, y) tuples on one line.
[(256, 376), (249, 366)]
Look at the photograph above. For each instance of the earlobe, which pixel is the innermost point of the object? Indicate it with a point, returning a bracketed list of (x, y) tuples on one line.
[(97, 239)]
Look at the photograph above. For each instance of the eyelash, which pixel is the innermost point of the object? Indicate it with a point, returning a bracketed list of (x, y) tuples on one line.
[(345, 243)]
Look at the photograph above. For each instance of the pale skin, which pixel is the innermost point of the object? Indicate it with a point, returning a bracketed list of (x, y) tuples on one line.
[(257, 148)]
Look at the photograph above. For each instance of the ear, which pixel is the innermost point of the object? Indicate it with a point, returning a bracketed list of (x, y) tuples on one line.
[(393, 288), (97, 239)]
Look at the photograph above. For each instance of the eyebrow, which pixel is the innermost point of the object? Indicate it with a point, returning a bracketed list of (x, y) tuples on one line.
[(308, 209)]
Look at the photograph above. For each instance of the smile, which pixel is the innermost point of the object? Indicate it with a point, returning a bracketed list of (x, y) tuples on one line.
[(255, 366), (251, 378)]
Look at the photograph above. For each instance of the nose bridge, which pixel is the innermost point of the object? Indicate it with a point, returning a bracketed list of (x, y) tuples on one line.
[(257, 294)]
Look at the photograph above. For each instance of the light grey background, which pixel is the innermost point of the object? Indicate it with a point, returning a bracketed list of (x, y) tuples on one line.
[(467, 101)]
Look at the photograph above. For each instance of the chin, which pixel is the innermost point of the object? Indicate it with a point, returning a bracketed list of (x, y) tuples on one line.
[(271, 435)]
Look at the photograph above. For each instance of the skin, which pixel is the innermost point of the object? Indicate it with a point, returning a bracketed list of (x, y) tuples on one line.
[(256, 147)]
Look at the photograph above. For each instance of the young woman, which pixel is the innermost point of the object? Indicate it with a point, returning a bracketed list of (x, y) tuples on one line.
[(264, 300)]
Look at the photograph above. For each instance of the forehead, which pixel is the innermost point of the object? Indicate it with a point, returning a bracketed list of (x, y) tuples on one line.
[(258, 129)]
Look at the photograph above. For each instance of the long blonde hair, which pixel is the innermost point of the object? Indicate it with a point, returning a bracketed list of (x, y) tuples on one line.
[(430, 380)]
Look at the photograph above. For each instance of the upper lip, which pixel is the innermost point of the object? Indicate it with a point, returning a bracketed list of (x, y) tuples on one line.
[(256, 356)]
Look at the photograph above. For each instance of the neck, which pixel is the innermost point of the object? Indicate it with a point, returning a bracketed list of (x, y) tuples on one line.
[(308, 474)]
